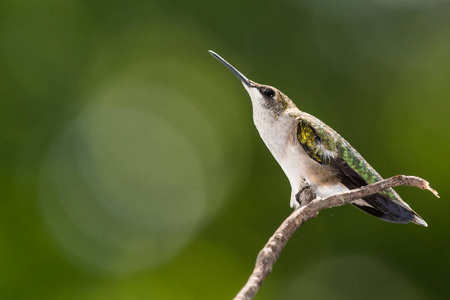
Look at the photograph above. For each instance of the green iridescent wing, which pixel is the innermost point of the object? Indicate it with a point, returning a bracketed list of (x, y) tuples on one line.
[(326, 146)]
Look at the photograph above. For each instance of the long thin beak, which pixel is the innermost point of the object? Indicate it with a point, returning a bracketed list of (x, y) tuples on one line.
[(232, 69)]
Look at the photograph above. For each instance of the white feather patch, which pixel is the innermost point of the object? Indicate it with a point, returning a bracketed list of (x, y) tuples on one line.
[(327, 154)]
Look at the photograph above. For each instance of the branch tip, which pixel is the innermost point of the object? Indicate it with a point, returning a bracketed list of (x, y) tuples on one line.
[(428, 187)]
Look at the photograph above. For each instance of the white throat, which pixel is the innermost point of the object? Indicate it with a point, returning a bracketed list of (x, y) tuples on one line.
[(275, 128)]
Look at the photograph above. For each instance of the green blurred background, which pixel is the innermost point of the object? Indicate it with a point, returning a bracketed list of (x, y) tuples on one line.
[(130, 167)]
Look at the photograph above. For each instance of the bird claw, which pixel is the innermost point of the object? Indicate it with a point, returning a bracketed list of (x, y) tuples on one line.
[(305, 195)]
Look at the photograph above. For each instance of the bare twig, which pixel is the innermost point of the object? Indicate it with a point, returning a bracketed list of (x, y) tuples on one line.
[(269, 254)]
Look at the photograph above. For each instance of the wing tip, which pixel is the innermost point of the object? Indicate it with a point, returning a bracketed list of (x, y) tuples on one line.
[(419, 221)]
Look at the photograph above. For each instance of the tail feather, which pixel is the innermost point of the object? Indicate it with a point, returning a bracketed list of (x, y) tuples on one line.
[(419, 221), (390, 211)]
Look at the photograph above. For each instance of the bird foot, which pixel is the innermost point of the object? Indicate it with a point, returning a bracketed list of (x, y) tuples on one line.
[(305, 195)]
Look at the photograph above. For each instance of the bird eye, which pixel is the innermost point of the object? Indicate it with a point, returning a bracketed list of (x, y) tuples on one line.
[(269, 92)]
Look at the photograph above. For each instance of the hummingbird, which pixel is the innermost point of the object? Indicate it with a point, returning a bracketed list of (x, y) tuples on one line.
[(312, 154)]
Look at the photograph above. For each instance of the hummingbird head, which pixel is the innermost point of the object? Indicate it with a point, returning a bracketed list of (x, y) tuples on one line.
[(264, 96)]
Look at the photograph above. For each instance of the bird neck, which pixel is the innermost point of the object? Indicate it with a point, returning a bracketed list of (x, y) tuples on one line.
[(275, 129)]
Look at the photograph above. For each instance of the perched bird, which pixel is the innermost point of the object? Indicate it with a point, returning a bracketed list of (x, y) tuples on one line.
[(311, 152)]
